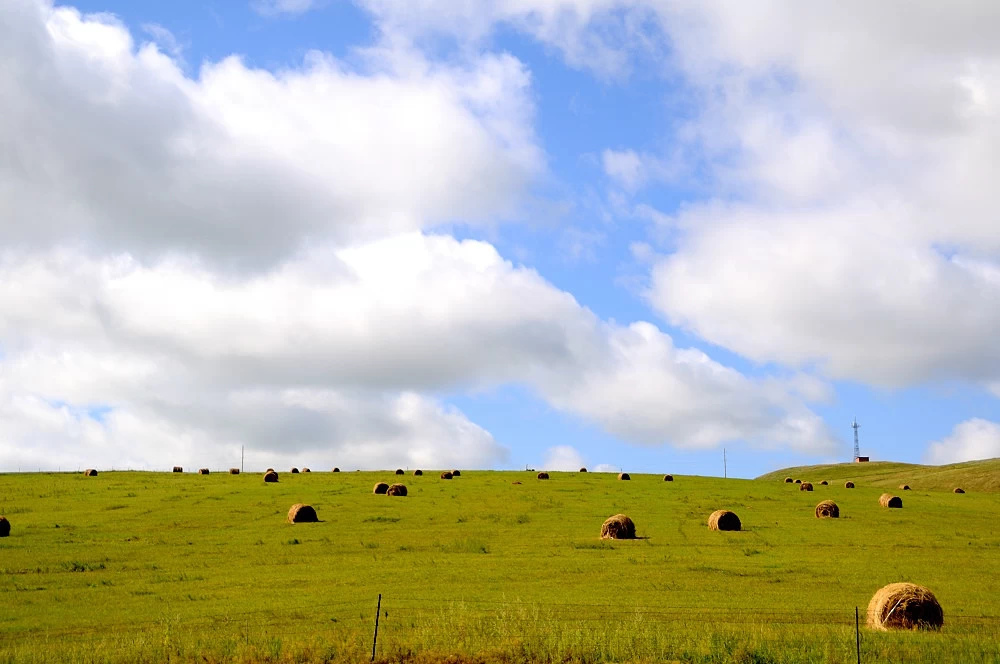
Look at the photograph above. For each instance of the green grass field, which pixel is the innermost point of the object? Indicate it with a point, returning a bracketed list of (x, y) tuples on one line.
[(157, 567)]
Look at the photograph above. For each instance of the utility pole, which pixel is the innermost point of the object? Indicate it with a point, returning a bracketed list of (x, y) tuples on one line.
[(857, 447)]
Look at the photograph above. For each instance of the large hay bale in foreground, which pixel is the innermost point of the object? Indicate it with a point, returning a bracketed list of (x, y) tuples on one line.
[(203, 471), (270, 476), (618, 526), (234, 471), (380, 488), (396, 490), (90, 472), (904, 606), (336, 470), (827, 509), (848, 485), (583, 470), (806, 486), (959, 490), (623, 476), (456, 473), (543, 476), (724, 520), (668, 478), (446, 475), (788, 480), (399, 471), (889, 500), (300, 513), (178, 469), (904, 487), (4, 526), (418, 472)]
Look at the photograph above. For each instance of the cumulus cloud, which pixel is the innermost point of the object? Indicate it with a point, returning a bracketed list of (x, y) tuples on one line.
[(970, 440), (287, 7), (563, 457)]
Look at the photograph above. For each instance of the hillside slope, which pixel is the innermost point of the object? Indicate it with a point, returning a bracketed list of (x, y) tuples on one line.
[(972, 475)]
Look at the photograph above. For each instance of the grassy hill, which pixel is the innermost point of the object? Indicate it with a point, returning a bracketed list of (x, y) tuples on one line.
[(488, 567), (972, 475)]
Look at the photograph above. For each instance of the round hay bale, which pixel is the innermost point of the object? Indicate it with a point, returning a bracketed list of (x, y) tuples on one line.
[(90, 472), (668, 478), (827, 509), (904, 606), (306, 470), (959, 490), (788, 480), (396, 490), (270, 476), (446, 475), (418, 472), (618, 526), (380, 488), (904, 487), (294, 471), (583, 470), (4, 526), (456, 473), (824, 483), (623, 476), (234, 471), (269, 470), (300, 513), (798, 481), (848, 485), (724, 520), (203, 471), (889, 500), (336, 470), (543, 476), (178, 469), (399, 471), (805, 486)]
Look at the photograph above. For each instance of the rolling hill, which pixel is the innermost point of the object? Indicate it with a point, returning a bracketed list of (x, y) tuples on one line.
[(981, 475)]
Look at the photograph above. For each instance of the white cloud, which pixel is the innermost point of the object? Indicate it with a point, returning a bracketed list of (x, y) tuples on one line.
[(288, 7), (605, 468), (970, 440), (624, 167), (563, 458)]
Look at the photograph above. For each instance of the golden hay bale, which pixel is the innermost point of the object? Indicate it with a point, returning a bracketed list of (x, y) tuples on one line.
[(798, 481), (446, 475), (396, 490), (418, 472), (336, 470), (4, 526), (824, 483), (623, 476), (618, 526), (300, 513), (178, 469), (889, 500), (234, 471), (90, 472), (805, 486), (668, 478), (380, 488), (583, 470), (904, 606), (848, 485), (270, 476), (294, 470), (788, 480), (827, 510), (306, 470), (456, 473), (904, 487), (203, 471), (543, 476), (724, 520), (399, 471), (959, 490)]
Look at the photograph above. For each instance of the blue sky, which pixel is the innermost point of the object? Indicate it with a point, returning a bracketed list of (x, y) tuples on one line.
[(605, 233)]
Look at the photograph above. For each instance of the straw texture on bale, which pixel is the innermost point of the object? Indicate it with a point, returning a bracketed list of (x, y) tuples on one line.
[(798, 481), (904, 487), (904, 606), (336, 470), (959, 490), (418, 472), (178, 469), (724, 520), (234, 471), (300, 513), (618, 526), (827, 510), (203, 471), (446, 475), (889, 500), (4, 526), (380, 488), (456, 473), (270, 476), (583, 470), (90, 472), (806, 486), (824, 483), (788, 480), (848, 485), (623, 476), (294, 470), (543, 476), (668, 478), (396, 490)]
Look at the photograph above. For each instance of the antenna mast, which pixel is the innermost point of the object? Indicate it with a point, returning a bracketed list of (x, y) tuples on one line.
[(857, 448)]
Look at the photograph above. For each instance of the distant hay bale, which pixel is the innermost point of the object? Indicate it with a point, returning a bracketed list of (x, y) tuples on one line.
[(724, 520), (399, 471), (904, 487), (618, 526), (446, 475), (827, 510), (234, 471), (306, 470), (668, 478), (959, 490), (623, 476), (4, 526), (543, 476), (336, 470), (203, 471), (805, 486), (270, 476), (798, 481), (269, 470), (456, 473), (418, 472), (294, 471), (848, 485), (396, 490), (178, 469), (300, 513), (90, 472), (889, 500), (824, 483), (788, 480), (583, 470), (904, 606), (380, 488), (515, 482)]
